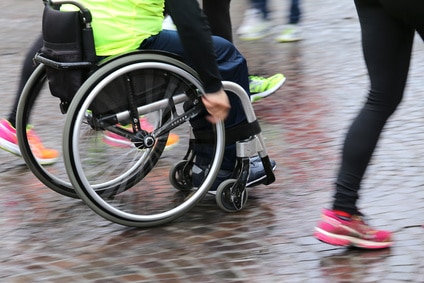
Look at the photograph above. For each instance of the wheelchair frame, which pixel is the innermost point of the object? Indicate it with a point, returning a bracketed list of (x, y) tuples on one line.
[(231, 195)]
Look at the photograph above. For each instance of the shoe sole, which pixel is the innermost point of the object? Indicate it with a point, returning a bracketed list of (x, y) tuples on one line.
[(10, 147), (251, 183), (345, 241), (259, 180), (47, 161), (14, 149), (253, 36), (259, 96), (288, 40)]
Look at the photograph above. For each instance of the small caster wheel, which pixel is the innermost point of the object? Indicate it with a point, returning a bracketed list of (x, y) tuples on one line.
[(180, 176), (230, 199)]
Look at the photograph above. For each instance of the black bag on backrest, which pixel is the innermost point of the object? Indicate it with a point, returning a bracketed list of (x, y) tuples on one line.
[(64, 33)]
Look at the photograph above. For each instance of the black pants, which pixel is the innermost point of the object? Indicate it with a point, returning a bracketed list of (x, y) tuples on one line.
[(388, 28), (27, 68)]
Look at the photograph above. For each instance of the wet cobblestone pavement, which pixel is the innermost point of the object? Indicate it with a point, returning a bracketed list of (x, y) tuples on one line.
[(46, 237)]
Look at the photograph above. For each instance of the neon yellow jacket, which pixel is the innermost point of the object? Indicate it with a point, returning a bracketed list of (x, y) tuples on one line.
[(121, 25)]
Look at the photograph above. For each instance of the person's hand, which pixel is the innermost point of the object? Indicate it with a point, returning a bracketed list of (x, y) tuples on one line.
[(217, 104)]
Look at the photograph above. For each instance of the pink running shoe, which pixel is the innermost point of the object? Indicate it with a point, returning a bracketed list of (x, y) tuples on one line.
[(353, 231), (8, 139), (9, 142)]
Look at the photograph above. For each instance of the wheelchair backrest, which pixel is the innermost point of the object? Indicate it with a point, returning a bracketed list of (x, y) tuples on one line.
[(68, 48)]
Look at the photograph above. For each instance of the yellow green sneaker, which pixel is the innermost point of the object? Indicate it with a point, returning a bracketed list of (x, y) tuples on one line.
[(290, 33), (261, 87)]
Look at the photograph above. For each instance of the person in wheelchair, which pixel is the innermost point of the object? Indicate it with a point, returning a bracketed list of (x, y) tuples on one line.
[(121, 26)]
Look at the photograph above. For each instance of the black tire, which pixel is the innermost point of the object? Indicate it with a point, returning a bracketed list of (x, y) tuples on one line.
[(180, 176), (224, 197)]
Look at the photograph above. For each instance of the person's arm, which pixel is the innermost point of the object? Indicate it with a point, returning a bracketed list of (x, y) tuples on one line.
[(196, 39)]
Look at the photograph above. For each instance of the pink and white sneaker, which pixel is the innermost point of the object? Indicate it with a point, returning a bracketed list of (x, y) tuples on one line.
[(350, 231), (8, 139), (9, 142)]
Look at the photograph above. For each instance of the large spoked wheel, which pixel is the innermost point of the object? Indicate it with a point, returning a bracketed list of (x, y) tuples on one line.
[(39, 120), (103, 144)]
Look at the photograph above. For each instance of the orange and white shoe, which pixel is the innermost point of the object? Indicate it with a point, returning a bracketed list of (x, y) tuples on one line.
[(116, 140), (9, 142)]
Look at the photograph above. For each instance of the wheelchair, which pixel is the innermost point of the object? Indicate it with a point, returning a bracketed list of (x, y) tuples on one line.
[(115, 132)]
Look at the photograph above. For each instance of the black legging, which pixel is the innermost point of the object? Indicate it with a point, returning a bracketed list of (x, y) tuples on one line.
[(218, 13), (388, 28), (27, 68)]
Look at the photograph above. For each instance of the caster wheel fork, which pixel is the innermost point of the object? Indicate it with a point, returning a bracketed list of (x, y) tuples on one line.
[(230, 196)]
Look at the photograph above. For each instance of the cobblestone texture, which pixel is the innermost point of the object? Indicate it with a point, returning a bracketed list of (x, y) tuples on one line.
[(47, 237)]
